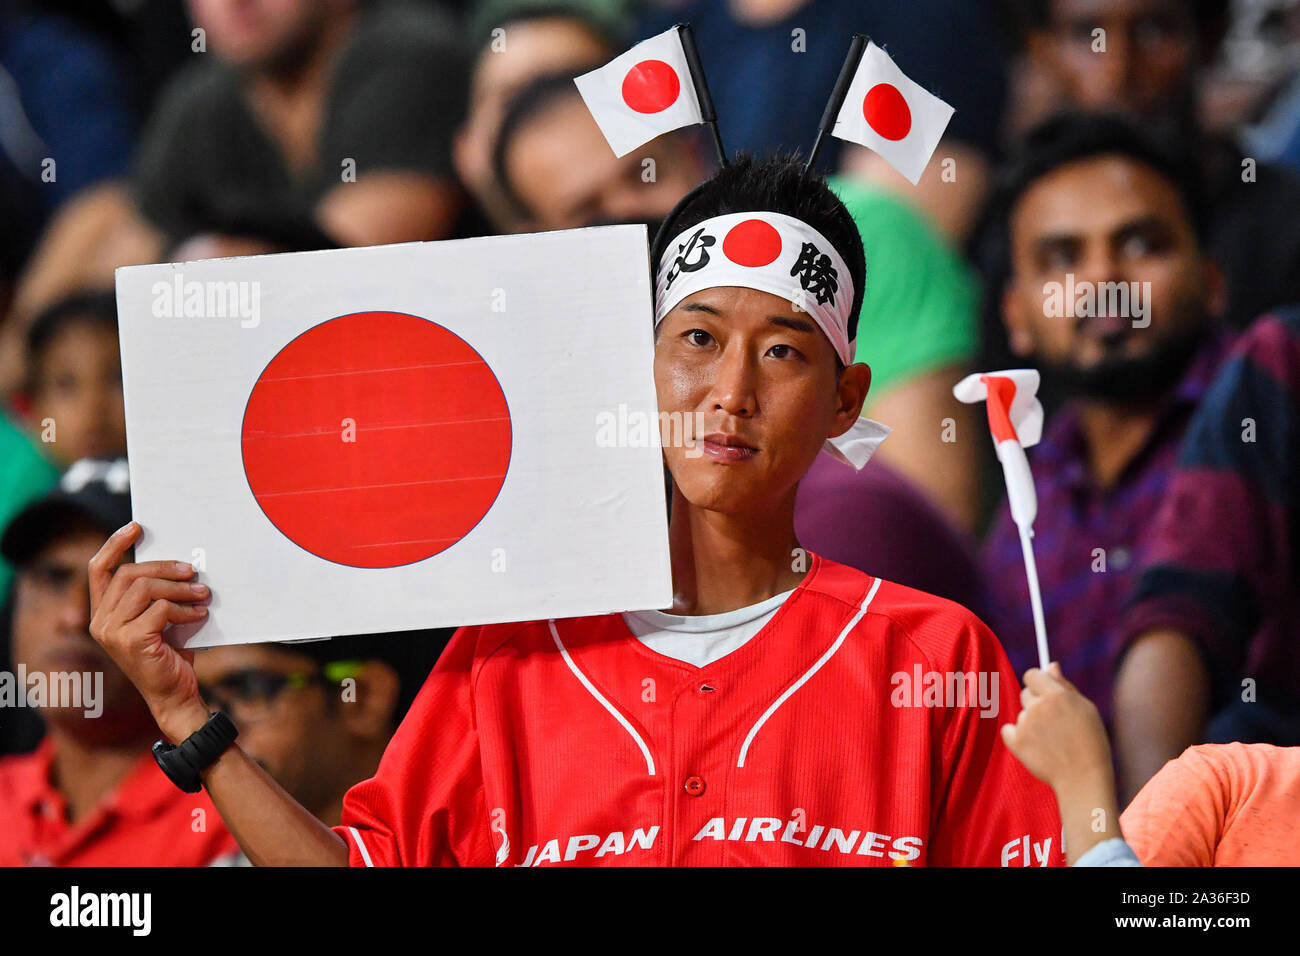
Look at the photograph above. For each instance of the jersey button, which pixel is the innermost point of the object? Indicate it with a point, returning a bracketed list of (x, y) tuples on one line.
[(694, 786)]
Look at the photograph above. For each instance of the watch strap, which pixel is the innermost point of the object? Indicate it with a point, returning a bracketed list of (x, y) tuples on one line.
[(182, 764)]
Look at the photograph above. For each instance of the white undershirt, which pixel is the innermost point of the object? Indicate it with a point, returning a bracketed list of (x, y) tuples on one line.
[(701, 639)]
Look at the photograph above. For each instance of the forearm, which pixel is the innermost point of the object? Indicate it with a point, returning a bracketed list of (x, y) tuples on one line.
[(272, 828), (1089, 814), (390, 207), (92, 234), (1161, 702)]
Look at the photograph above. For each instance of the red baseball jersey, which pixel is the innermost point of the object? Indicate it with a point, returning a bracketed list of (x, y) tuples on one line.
[(858, 727)]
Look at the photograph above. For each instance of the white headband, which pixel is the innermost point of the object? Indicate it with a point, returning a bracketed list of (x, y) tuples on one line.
[(775, 253), (766, 251)]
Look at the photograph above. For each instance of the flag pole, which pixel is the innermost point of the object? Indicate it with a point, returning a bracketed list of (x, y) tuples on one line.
[(1024, 508), (1035, 596), (707, 113), (841, 89)]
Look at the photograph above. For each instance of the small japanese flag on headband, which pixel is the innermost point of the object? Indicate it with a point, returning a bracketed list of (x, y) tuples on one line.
[(643, 93), (890, 114), (783, 256)]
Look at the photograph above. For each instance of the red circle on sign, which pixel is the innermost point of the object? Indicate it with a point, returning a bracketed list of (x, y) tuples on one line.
[(651, 86), (752, 243), (886, 111), (376, 439)]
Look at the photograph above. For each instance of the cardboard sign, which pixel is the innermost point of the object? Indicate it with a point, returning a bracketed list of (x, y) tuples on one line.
[(399, 437)]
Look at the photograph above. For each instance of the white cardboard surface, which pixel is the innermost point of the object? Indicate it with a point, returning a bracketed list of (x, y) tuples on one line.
[(582, 528)]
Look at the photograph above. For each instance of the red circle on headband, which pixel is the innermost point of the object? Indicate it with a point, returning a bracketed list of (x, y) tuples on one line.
[(376, 439), (752, 243), (651, 86), (886, 111)]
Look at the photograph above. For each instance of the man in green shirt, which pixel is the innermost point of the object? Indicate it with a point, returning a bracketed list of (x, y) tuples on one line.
[(920, 316)]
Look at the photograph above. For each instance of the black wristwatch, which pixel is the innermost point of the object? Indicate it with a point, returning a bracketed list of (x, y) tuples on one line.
[(196, 753)]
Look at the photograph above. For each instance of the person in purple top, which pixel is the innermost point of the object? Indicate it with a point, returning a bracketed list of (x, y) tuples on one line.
[(877, 521), (1213, 634), (1112, 296)]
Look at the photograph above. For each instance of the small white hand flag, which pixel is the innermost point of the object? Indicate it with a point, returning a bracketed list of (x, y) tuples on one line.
[(1016, 423)]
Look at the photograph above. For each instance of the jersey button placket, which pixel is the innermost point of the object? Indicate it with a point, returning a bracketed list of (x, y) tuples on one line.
[(701, 794)]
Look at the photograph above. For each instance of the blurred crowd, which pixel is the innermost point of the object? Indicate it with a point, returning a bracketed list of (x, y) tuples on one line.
[(1148, 145)]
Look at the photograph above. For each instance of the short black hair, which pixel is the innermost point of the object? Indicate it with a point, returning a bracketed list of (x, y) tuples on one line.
[(773, 183), (97, 308), (529, 102), (1072, 136)]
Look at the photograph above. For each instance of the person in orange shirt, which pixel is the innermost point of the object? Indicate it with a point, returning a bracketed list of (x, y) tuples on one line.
[(1219, 805), (1216, 805), (91, 793)]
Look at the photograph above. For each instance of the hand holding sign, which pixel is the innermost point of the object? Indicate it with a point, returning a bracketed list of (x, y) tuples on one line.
[(131, 605)]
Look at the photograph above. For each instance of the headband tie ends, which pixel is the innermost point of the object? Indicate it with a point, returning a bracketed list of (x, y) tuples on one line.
[(856, 446)]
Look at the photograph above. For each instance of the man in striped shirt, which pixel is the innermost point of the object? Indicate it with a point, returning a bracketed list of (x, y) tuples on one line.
[(1213, 636)]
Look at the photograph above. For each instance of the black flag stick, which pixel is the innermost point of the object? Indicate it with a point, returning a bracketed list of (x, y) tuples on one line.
[(707, 112), (833, 105)]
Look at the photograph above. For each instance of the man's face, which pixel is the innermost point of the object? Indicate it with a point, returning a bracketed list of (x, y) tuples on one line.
[(525, 51), (51, 634), (760, 378), (1152, 50), (279, 702), (263, 34), (79, 389), (1092, 224), (567, 176)]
